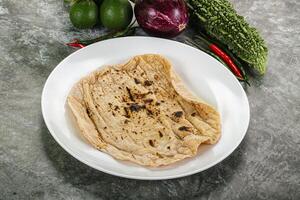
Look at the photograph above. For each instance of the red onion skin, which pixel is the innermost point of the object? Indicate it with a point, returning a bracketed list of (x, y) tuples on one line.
[(162, 18)]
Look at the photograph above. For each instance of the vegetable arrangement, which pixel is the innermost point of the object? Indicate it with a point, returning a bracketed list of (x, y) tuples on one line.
[(226, 35)]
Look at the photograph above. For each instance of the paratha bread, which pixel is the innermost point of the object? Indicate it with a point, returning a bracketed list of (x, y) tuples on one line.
[(141, 112)]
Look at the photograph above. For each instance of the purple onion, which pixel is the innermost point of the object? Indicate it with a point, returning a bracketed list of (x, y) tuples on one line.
[(163, 18)]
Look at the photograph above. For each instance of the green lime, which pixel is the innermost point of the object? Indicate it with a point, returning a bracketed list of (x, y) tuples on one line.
[(116, 14), (84, 14)]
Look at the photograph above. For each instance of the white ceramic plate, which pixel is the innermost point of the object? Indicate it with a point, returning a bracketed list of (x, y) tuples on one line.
[(204, 75)]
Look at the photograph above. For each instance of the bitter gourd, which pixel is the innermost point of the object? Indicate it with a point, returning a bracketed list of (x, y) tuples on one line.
[(220, 20)]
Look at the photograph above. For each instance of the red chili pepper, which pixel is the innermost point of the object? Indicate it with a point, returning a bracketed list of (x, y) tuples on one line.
[(76, 44), (223, 56), (219, 52)]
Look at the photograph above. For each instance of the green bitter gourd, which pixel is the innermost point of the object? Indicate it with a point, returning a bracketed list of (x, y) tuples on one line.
[(220, 20)]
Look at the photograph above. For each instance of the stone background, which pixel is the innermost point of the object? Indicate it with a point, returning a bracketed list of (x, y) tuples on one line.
[(33, 166)]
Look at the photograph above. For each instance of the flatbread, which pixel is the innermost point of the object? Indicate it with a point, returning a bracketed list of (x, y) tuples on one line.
[(141, 112)]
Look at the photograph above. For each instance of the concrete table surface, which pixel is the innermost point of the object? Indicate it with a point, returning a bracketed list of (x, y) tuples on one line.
[(33, 166)]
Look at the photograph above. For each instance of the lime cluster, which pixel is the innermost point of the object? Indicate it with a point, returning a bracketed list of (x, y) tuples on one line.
[(112, 14)]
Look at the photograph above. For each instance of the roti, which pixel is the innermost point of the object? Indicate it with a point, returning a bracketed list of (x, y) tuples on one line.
[(142, 112)]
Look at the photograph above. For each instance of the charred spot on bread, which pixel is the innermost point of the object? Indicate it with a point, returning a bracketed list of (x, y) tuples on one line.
[(137, 81), (148, 83), (178, 114), (184, 128)]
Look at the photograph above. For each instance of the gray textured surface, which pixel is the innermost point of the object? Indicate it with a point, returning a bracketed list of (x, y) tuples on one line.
[(33, 166)]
